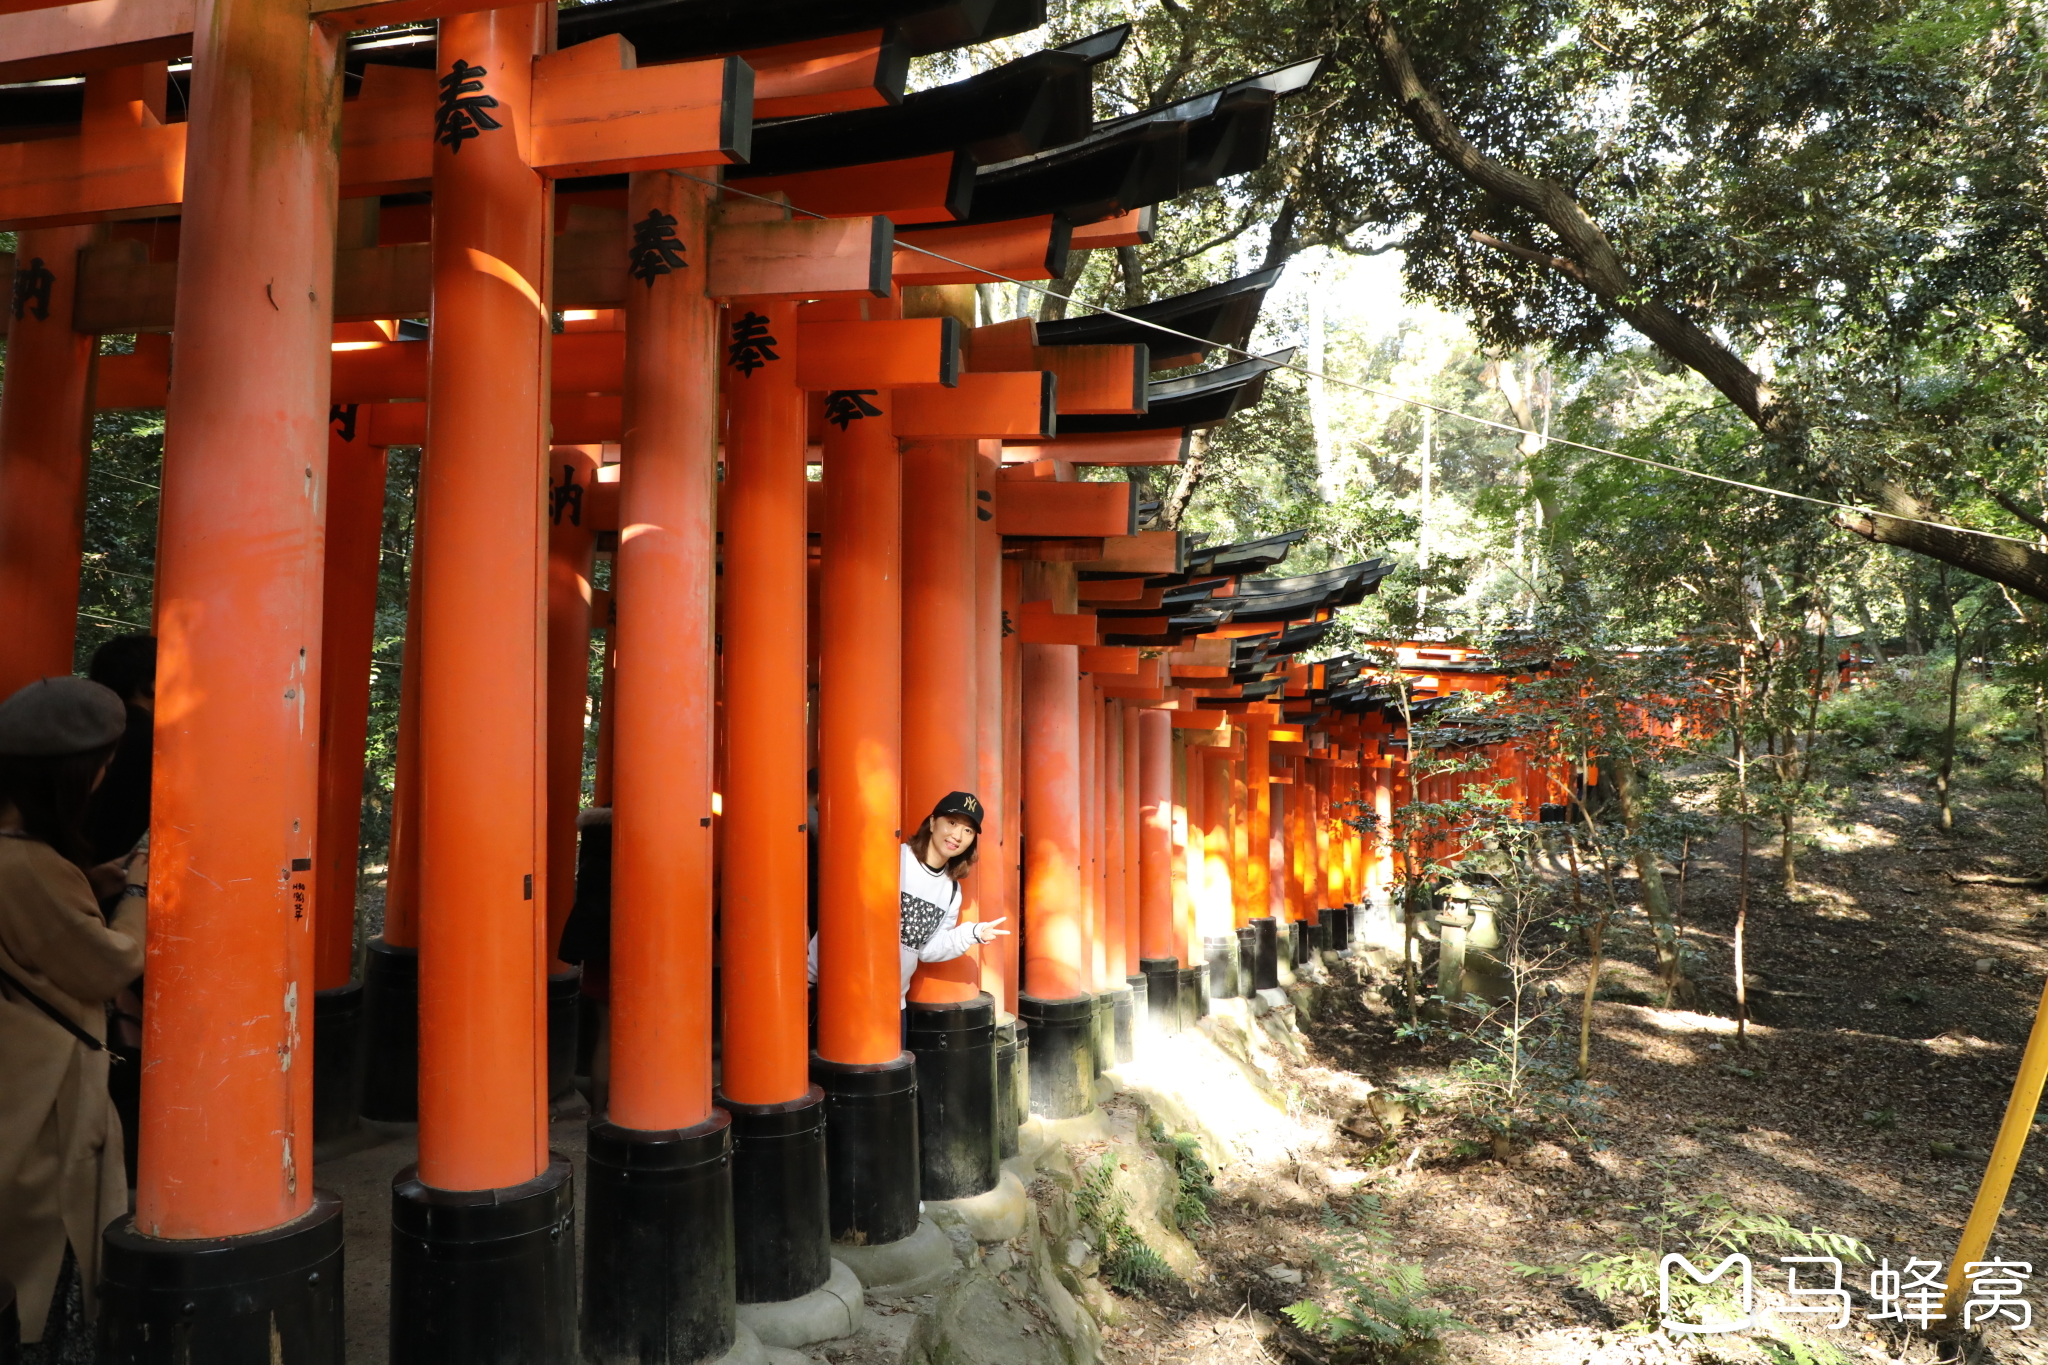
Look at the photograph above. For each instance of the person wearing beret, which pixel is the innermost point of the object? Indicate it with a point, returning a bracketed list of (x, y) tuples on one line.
[(61, 958), (933, 861)]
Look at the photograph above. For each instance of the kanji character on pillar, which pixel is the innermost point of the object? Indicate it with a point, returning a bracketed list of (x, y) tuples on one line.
[(461, 116), (566, 496), (751, 344), (843, 407), (656, 249), (32, 285)]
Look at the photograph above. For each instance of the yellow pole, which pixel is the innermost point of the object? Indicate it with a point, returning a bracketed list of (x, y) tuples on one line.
[(2005, 1156)]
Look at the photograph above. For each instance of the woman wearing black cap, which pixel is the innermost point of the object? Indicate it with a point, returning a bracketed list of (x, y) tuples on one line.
[(61, 1180), (934, 860)]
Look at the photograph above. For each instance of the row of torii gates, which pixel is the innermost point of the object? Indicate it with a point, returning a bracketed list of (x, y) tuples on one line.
[(600, 234)]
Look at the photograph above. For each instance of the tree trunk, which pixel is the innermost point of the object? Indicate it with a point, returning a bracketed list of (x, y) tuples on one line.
[(2041, 736), (1628, 788), (1944, 777)]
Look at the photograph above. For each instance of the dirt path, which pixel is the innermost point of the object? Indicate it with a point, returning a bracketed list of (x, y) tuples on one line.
[(1890, 1007)]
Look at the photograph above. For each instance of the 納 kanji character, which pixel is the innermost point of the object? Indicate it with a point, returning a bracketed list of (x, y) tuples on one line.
[(1911, 1296), (461, 116), (751, 344), (566, 496), (1995, 1289), (843, 407), (32, 285), (656, 249)]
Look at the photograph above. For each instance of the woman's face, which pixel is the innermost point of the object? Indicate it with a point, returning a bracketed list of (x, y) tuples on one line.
[(951, 837)]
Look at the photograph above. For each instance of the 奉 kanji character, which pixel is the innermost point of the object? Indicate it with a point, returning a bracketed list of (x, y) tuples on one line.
[(1912, 1296), (342, 417), (1995, 1289), (751, 344), (32, 285), (1814, 1298), (656, 248), (843, 407), (461, 115)]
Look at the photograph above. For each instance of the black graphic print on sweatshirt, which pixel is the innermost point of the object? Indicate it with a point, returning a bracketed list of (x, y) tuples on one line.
[(921, 919)]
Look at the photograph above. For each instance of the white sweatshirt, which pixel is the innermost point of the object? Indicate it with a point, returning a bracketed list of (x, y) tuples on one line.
[(931, 930)]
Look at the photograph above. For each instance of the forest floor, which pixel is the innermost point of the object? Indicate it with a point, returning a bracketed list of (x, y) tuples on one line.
[(1889, 1004)]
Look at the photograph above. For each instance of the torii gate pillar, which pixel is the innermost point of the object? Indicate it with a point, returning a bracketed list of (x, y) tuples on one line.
[(45, 431), (231, 1256)]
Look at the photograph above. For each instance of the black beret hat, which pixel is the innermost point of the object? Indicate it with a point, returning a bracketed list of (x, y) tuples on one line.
[(62, 715)]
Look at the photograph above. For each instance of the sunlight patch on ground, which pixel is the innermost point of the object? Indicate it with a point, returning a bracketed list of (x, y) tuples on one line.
[(1854, 838)]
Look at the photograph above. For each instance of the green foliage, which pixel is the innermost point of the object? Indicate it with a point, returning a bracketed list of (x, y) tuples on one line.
[(1902, 715), (1705, 1228), (1128, 1263), (1378, 1300), (1195, 1184)]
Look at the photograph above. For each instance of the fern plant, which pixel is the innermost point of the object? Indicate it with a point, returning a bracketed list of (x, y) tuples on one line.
[(1127, 1262), (1381, 1299), (1196, 1185), (1705, 1228)]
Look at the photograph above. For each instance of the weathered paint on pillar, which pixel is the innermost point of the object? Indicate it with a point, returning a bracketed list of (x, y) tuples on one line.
[(227, 1094), (482, 567), (1154, 793), (1132, 827), (860, 740), (939, 673), (1012, 946), (45, 434), (662, 765), (767, 1047), (1088, 707), (1118, 936), (348, 628), (1056, 941), (995, 872), (1258, 766)]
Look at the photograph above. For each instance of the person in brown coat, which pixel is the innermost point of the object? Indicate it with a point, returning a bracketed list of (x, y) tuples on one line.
[(61, 1180)]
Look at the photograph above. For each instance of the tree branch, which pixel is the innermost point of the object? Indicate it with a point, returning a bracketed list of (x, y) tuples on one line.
[(2020, 567), (2016, 507), (1590, 260), (1598, 266)]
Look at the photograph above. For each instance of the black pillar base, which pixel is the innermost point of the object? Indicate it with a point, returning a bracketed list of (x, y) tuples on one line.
[(1266, 969), (1190, 996), (1340, 930), (265, 1298), (1103, 1021), (657, 1245), (782, 1248), (1062, 1054), (1023, 1071), (565, 1007), (1009, 1111), (955, 1047), (480, 1277), (1219, 955), (1297, 944), (337, 1065), (1125, 1004), (1247, 961), (391, 1033), (1162, 994), (871, 1157)]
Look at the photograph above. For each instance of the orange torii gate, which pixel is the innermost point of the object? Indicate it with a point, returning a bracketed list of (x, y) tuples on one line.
[(476, 887)]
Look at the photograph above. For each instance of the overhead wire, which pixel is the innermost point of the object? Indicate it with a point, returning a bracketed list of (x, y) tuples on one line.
[(1409, 400)]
